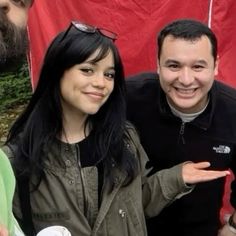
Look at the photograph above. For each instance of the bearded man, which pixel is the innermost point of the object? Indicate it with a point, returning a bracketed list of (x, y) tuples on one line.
[(13, 46)]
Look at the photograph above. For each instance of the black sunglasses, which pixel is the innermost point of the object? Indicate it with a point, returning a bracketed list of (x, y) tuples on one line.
[(90, 30)]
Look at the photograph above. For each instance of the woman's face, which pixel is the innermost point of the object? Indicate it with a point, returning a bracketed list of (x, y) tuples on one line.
[(86, 87)]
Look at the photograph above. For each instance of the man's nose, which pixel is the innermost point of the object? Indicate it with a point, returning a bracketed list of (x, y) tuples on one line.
[(186, 76), (4, 6)]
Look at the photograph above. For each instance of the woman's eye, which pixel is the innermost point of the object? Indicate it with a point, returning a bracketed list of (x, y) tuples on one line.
[(87, 70), (110, 75)]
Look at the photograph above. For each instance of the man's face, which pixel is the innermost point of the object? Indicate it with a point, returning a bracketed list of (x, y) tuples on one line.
[(13, 35), (187, 70)]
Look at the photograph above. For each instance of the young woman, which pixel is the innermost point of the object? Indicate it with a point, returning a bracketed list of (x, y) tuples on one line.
[(83, 162)]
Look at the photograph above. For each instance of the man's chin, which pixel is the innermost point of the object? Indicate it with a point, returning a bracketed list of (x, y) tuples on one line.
[(13, 48)]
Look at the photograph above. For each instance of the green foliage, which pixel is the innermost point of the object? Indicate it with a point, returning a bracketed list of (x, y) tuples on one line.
[(15, 88)]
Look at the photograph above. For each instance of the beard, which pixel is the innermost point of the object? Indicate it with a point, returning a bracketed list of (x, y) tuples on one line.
[(13, 44)]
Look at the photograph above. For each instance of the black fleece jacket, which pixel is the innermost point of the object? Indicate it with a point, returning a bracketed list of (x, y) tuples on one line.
[(168, 141)]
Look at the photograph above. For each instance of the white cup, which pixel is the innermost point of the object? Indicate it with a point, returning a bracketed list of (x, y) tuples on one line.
[(54, 231)]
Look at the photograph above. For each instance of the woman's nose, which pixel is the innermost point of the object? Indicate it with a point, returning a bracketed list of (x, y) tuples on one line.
[(99, 81)]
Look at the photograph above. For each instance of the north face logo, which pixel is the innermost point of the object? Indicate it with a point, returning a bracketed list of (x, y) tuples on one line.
[(222, 149)]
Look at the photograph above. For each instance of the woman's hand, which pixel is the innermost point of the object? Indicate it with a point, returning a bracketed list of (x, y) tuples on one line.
[(195, 172)]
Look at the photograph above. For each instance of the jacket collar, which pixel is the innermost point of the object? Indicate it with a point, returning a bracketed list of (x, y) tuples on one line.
[(203, 121)]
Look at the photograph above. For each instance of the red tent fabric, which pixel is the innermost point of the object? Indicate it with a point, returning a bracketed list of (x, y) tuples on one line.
[(137, 23), (223, 20)]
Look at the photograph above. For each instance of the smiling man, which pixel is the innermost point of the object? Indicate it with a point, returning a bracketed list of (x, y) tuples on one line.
[(187, 70), (185, 114), (13, 34)]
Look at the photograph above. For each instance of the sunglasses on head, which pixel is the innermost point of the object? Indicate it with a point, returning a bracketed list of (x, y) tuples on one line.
[(89, 29)]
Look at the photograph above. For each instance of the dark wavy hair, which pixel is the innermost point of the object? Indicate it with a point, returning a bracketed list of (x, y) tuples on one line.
[(187, 29), (41, 122)]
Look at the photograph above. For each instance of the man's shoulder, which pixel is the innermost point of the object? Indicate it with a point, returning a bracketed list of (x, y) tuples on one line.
[(143, 84), (142, 78), (142, 95), (226, 92)]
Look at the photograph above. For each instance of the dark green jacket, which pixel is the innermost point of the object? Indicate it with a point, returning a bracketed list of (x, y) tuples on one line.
[(59, 197)]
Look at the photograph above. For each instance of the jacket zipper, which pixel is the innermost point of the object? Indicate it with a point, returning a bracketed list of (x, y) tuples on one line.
[(181, 133), (83, 183)]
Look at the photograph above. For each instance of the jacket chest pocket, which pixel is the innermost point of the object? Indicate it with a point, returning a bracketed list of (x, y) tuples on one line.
[(126, 216)]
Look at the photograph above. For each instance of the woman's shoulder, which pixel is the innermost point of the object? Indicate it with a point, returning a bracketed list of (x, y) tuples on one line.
[(131, 130), (132, 136)]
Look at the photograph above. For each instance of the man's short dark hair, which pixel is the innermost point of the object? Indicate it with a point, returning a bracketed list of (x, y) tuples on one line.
[(187, 29)]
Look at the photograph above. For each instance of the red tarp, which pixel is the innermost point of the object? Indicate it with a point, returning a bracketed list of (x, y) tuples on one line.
[(137, 23), (223, 23)]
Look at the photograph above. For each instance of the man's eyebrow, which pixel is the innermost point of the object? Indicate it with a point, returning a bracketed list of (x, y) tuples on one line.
[(168, 61), (201, 62)]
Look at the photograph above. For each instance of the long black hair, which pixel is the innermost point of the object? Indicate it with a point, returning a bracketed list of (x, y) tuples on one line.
[(41, 122)]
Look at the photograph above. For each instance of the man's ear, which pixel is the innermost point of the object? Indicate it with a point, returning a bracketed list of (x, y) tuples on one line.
[(158, 66), (216, 70)]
